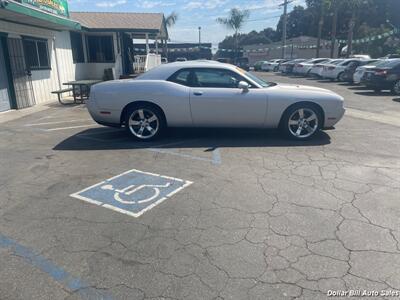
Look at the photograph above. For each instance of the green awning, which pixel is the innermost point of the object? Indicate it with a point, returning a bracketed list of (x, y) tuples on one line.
[(20, 13)]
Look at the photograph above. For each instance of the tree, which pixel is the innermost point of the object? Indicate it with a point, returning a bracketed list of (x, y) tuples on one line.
[(170, 21), (235, 22), (353, 6)]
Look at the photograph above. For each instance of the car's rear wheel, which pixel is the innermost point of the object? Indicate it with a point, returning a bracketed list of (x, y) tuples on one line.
[(145, 122), (396, 88), (301, 121), (341, 77)]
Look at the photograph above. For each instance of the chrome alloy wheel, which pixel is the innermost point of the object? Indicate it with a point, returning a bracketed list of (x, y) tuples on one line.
[(143, 123), (303, 123)]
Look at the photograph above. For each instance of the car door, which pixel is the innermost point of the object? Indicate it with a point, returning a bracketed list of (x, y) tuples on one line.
[(216, 100)]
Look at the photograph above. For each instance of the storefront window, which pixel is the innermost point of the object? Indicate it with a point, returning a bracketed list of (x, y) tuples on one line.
[(36, 54), (100, 49), (77, 47)]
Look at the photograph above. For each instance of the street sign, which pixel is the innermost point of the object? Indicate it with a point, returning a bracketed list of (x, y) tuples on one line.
[(57, 7)]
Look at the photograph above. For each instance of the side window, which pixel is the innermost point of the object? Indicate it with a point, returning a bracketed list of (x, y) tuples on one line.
[(181, 77), (215, 78), (36, 54)]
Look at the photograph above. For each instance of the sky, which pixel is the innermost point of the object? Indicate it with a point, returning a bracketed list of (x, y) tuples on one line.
[(195, 13)]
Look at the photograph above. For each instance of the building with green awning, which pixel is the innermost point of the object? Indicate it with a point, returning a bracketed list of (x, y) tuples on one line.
[(43, 45)]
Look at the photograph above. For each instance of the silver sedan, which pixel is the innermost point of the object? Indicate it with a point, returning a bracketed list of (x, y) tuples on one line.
[(211, 94)]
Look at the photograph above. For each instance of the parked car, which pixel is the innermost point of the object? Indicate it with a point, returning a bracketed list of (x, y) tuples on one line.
[(257, 65), (316, 69), (384, 77), (204, 94), (360, 71), (287, 67), (348, 73), (360, 56), (223, 60), (272, 65), (304, 67), (333, 72), (243, 63)]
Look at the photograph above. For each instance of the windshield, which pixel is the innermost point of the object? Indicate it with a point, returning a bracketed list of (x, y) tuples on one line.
[(336, 62), (389, 63), (373, 63), (258, 80)]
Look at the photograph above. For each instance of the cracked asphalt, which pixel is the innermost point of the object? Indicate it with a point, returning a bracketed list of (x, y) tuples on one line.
[(272, 219)]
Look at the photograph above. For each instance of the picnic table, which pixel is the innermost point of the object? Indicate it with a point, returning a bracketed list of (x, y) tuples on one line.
[(81, 88)]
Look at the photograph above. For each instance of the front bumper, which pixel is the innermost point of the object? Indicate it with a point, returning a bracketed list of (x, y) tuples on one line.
[(333, 118)]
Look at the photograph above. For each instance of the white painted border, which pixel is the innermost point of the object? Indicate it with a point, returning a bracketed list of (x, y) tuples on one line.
[(123, 211)]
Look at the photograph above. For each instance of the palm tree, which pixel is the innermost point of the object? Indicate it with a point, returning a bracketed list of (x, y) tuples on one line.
[(334, 6), (235, 21), (170, 21)]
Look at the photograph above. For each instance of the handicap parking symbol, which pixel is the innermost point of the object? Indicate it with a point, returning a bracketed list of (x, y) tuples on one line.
[(133, 192)]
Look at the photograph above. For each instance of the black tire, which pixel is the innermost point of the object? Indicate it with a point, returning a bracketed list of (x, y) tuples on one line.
[(341, 77), (287, 130), (148, 111), (396, 88)]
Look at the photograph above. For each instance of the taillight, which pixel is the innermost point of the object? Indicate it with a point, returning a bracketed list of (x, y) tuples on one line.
[(381, 72)]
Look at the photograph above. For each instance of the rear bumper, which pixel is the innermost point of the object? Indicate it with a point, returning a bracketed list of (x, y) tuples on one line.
[(378, 83)]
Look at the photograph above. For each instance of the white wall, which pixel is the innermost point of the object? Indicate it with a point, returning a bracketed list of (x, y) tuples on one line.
[(46, 81)]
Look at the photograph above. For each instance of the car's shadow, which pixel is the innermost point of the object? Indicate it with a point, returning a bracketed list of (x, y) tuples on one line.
[(396, 99), (113, 139), (375, 94), (358, 88)]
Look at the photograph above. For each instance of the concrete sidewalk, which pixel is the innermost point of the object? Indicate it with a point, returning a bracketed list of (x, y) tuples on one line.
[(14, 114)]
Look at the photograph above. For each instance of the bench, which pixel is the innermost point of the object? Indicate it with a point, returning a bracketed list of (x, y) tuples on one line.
[(60, 92)]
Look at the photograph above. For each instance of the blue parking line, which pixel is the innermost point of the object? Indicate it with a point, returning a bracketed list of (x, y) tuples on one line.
[(73, 284), (216, 157)]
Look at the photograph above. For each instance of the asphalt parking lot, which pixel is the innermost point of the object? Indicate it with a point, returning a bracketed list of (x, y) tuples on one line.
[(223, 214)]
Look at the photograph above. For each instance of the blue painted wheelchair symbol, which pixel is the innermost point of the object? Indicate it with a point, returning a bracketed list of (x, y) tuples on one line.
[(133, 192)]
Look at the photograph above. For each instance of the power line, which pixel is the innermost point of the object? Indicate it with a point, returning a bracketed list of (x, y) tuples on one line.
[(262, 19)]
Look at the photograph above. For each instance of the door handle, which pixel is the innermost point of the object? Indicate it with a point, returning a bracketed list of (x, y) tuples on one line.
[(198, 93)]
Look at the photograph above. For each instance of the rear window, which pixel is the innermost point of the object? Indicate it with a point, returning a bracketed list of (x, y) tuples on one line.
[(181, 77)]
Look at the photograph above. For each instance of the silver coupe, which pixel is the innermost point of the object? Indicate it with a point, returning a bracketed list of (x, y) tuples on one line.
[(211, 94)]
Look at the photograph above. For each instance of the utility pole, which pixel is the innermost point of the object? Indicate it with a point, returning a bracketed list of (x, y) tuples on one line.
[(199, 36), (284, 4), (199, 42)]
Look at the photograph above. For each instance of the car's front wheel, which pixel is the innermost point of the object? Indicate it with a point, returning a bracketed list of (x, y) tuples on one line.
[(301, 121), (145, 122)]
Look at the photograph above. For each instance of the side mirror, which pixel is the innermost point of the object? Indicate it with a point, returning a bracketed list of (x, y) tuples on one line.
[(243, 85)]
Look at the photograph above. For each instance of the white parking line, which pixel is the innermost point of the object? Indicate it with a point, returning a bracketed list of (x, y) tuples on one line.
[(70, 127), (376, 117), (58, 122)]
